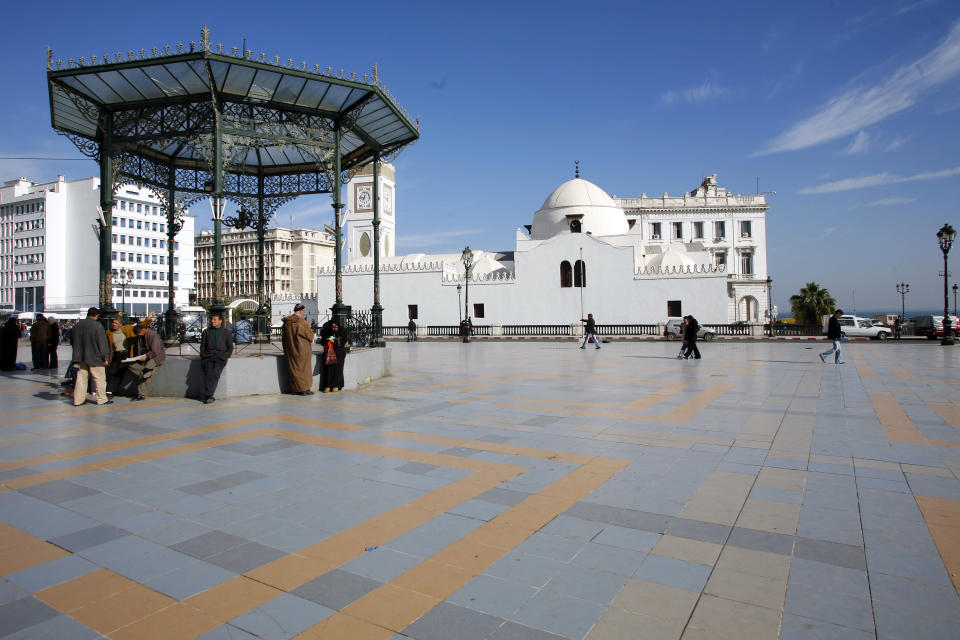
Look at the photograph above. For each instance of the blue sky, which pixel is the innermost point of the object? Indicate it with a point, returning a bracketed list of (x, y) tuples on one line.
[(847, 109)]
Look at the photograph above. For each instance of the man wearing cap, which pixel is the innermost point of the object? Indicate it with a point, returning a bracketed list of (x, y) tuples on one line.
[(150, 354), (297, 339), (90, 352)]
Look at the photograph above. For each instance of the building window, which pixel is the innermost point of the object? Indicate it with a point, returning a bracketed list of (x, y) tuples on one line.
[(566, 275), (139, 224), (719, 229), (673, 308), (654, 230), (745, 229), (139, 275), (579, 274), (698, 230), (575, 226), (720, 258), (123, 222), (477, 310), (113, 255), (746, 264), (678, 231), (123, 256)]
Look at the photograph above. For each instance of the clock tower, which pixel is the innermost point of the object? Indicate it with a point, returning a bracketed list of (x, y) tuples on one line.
[(360, 214)]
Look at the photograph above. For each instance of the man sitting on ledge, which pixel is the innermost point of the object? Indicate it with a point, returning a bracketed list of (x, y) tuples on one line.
[(150, 354)]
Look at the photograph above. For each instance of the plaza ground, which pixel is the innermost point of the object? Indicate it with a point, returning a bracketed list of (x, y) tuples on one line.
[(503, 490)]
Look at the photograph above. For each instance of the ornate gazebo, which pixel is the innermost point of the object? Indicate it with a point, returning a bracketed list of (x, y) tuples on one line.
[(194, 122)]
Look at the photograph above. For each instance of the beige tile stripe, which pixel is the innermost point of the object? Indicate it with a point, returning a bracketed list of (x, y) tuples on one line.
[(902, 372), (948, 412), (897, 425), (640, 404), (942, 516), (866, 372)]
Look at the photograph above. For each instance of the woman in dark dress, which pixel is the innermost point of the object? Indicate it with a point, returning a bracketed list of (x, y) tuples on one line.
[(52, 343), (9, 337), (335, 341)]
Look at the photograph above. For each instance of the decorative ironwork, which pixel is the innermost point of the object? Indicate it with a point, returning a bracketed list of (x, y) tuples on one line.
[(360, 325)]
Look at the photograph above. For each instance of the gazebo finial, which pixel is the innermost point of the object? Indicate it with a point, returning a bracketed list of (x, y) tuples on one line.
[(576, 173)]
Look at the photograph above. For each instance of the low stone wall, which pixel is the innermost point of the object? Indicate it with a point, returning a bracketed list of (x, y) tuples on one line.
[(260, 374)]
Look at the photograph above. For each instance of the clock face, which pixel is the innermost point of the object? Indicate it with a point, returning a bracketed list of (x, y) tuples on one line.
[(364, 198), (388, 200)]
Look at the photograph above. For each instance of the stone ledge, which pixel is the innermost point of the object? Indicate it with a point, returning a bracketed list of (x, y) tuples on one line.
[(259, 374)]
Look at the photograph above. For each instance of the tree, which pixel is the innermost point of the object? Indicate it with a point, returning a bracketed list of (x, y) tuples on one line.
[(812, 303)]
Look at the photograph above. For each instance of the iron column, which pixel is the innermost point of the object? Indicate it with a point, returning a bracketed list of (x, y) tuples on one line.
[(107, 312), (340, 311), (377, 310)]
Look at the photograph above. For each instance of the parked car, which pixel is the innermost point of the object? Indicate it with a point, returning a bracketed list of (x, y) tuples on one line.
[(673, 330), (932, 326), (856, 327)]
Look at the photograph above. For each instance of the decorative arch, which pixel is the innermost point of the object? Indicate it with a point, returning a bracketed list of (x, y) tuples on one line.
[(566, 275), (580, 273)]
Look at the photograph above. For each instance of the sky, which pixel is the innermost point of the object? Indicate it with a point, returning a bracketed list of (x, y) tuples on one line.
[(847, 109)]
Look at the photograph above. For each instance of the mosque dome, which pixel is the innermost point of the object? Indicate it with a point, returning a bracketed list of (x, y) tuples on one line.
[(578, 202)]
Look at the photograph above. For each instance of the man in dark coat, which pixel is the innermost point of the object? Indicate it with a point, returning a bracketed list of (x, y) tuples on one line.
[(39, 337), (690, 337), (91, 353), (53, 341), (834, 333), (589, 331), (150, 354), (216, 347), (335, 340), (297, 341), (9, 338)]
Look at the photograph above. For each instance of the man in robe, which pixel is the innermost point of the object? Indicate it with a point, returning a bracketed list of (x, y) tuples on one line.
[(297, 338)]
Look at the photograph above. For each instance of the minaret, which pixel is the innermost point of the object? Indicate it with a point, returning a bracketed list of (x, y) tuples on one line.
[(360, 214)]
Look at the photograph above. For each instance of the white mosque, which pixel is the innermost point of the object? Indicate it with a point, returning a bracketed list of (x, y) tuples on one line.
[(626, 260)]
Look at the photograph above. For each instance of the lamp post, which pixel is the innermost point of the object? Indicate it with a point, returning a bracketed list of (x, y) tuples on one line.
[(954, 298), (903, 288), (459, 312), (770, 304), (124, 278), (467, 258), (945, 238)]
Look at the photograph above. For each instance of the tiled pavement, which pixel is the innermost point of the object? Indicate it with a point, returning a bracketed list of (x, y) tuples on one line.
[(510, 491)]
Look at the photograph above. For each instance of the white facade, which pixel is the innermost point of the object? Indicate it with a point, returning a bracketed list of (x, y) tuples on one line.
[(49, 247), (626, 260), (359, 214)]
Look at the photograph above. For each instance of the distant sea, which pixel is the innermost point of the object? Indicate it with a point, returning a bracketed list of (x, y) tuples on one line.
[(911, 313)]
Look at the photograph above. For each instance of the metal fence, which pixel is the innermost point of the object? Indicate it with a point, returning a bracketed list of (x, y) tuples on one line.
[(787, 329), (536, 329), (628, 330), (729, 329)]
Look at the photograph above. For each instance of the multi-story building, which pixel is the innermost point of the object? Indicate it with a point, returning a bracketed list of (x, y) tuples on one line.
[(49, 248), (291, 260)]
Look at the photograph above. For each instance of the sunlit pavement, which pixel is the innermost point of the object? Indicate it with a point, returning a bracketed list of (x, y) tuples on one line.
[(505, 490)]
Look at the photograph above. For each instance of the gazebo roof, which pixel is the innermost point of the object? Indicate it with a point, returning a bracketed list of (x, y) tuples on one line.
[(276, 119)]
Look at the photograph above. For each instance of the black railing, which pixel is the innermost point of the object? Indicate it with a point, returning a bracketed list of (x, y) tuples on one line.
[(628, 330), (395, 331), (737, 329), (787, 329), (536, 329)]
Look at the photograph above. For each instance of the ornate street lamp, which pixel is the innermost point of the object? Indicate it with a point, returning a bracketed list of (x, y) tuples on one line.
[(124, 278), (903, 288), (945, 238), (954, 298), (459, 313), (770, 305), (467, 258)]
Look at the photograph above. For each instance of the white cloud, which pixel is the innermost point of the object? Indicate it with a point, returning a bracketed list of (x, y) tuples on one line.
[(827, 232), (877, 180), (897, 142), (885, 202), (437, 237), (702, 93), (863, 106), (860, 144), (915, 5)]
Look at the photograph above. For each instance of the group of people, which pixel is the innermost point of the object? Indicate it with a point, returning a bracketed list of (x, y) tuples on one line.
[(44, 340), (120, 360), (688, 348), (298, 338)]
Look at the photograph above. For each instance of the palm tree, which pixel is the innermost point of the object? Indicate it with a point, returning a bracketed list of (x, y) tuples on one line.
[(812, 303)]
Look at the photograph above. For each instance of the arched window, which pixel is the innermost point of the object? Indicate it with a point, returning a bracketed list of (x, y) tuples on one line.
[(580, 274), (566, 274), (574, 226)]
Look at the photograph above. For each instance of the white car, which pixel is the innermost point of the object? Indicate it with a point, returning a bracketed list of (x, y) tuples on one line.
[(673, 330), (856, 327)]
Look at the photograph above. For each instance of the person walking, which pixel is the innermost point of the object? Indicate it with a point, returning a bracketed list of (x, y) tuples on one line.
[(150, 354), (297, 340), (90, 352), (53, 341), (336, 341), (690, 337), (216, 347), (683, 339), (897, 328), (9, 339), (466, 328), (834, 333), (589, 331), (39, 339), (411, 331)]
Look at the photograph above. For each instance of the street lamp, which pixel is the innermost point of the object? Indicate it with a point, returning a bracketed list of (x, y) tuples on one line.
[(945, 238), (954, 298), (459, 313), (770, 304), (467, 258), (903, 288), (124, 278)]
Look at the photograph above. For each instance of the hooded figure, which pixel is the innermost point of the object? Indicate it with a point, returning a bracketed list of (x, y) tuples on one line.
[(9, 337), (297, 341), (39, 337)]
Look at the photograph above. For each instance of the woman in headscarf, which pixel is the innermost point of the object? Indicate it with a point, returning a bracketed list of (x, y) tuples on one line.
[(39, 337), (335, 340)]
